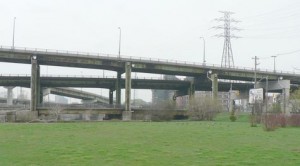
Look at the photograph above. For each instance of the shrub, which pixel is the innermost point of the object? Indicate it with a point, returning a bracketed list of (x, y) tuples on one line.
[(203, 109), (271, 121), (232, 117), (294, 120), (54, 111), (163, 111)]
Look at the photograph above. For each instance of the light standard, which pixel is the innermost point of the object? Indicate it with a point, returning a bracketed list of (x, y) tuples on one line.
[(203, 50), (13, 41), (274, 56), (119, 42)]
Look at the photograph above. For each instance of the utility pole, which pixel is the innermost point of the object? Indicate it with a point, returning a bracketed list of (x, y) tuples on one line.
[(227, 56), (13, 41), (274, 56), (253, 118), (267, 91), (204, 61), (119, 42)]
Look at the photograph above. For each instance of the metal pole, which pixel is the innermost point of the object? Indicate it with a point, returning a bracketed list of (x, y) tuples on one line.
[(267, 89), (120, 42), (204, 61), (255, 78), (13, 41), (274, 62)]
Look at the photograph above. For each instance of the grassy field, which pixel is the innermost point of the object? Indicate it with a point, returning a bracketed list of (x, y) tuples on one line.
[(148, 143)]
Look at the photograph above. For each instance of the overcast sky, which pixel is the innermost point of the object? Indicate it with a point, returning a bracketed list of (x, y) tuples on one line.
[(166, 29)]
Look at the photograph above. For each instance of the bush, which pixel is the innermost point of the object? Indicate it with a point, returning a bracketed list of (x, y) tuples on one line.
[(164, 111), (271, 121), (294, 120), (203, 109), (232, 118)]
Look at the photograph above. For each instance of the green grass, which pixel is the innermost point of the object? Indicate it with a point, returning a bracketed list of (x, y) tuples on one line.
[(147, 143)]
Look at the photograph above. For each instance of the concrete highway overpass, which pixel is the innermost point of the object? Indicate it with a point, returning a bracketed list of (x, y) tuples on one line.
[(198, 72), (144, 65)]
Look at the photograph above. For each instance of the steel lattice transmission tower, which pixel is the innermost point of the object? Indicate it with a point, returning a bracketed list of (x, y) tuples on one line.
[(227, 56)]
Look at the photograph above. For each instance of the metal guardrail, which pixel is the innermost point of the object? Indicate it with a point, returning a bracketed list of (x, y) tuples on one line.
[(79, 106), (132, 58), (87, 76)]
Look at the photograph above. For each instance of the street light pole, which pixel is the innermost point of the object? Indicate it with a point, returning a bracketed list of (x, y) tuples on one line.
[(274, 56), (203, 50), (13, 41), (119, 42)]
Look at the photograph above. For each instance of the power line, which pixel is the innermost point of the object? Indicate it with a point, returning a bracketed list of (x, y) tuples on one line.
[(279, 54), (271, 12)]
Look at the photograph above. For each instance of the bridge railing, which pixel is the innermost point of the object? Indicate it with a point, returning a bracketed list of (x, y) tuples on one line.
[(88, 76), (131, 58)]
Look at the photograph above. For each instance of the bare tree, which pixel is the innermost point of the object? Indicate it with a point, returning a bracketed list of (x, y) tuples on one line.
[(55, 110), (203, 108)]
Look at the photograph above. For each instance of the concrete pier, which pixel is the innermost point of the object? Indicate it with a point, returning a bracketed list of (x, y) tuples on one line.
[(126, 115), (111, 97), (10, 95), (118, 89), (34, 83), (214, 86), (191, 91)]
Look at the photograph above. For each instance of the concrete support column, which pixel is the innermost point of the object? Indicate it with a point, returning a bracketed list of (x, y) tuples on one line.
[(192, 90), (118, 89), (9, 95), (111, 97), (127, 113), (214, 86), (34, 83), (285, 99), (39, 89)]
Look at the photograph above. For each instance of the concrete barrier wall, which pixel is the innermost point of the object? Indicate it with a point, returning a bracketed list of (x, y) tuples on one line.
[(26, 116), (86, 117)]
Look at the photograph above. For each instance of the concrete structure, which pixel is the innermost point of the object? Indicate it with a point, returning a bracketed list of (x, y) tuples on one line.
[(281, 86), (10, 95), (61, 99), (78, 94), (37, 57)]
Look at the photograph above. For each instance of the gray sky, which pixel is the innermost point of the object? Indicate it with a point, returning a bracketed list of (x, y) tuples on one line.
[(166, 29)]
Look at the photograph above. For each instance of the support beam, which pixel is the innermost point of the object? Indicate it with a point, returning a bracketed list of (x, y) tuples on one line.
[(34, 83), (118, 89), (214, 86), (127, 113), (111, 97)]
